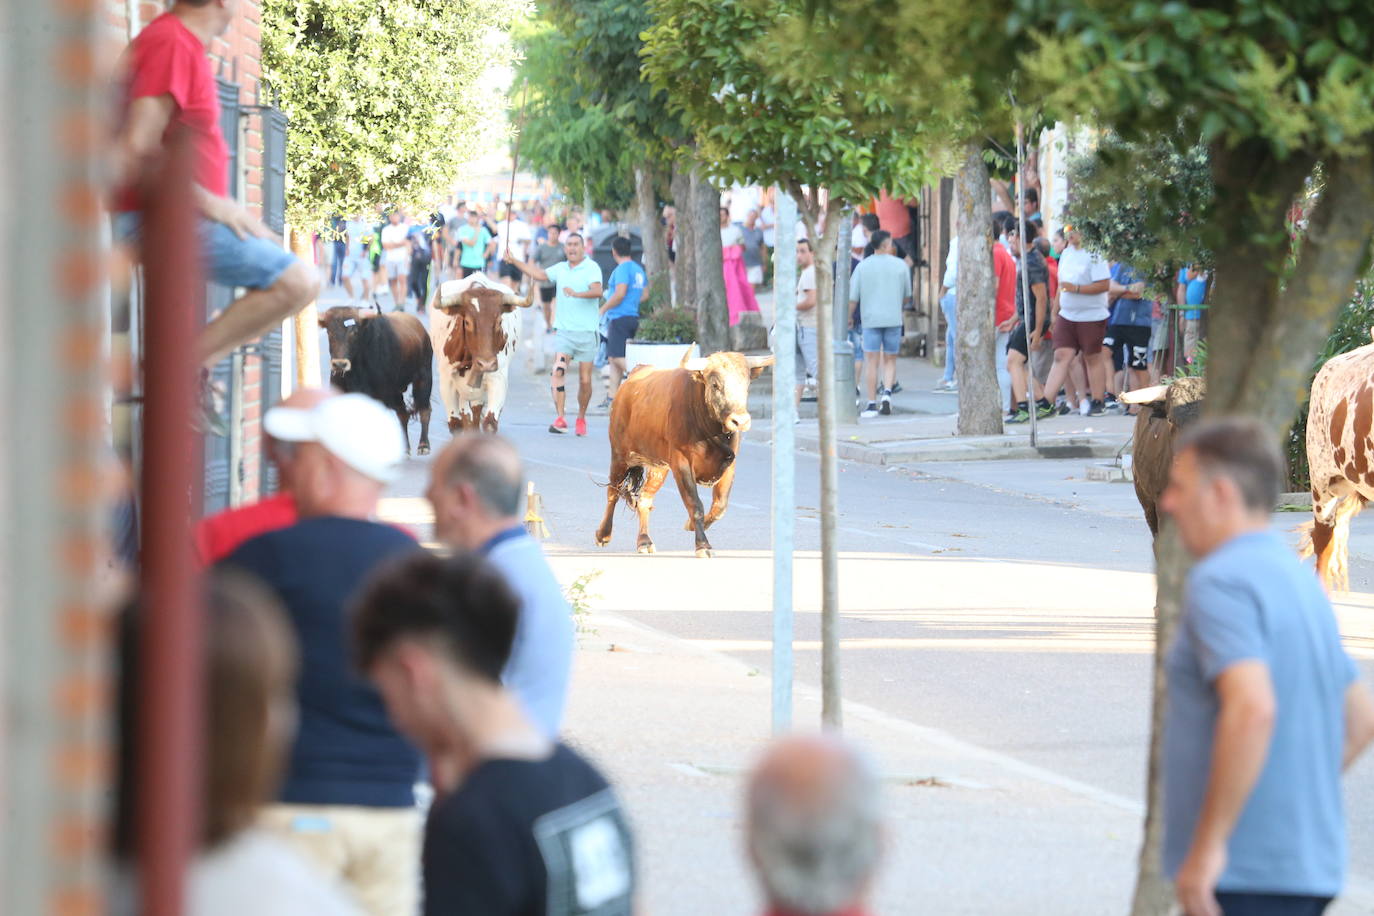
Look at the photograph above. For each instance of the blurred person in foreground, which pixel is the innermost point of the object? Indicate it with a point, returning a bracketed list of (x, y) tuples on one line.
[(1264, 709), (348, 800), (248, 718), (521, 824), (477, 486), (814, 830), (221, 534)]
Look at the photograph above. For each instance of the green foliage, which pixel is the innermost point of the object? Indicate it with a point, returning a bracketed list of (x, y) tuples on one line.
[(565, 134), (754, 121), (668, 325), (1351, 332), (1140, 202), (386, 100), (580, 598), (1293, 76)]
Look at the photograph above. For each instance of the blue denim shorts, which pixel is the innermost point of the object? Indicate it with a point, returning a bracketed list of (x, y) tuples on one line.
[(253, 263), (888, 340)]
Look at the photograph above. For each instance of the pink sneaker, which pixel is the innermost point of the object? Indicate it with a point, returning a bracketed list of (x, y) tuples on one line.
[(581, 426), (559, 426)]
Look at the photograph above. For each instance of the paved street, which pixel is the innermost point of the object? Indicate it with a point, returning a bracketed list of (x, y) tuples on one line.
[(997, 637)]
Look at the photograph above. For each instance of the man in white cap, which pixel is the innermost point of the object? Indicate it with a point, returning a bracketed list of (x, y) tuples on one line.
[(348, 798)]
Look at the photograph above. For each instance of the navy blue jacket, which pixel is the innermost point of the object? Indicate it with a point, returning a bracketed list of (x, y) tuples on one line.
[(346, 750)]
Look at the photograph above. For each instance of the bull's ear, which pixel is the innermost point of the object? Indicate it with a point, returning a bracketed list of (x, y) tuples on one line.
[(1152, 395), (756, 364), (323, 322)]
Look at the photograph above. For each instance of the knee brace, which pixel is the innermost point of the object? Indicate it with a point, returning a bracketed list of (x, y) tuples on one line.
[(560, 368)]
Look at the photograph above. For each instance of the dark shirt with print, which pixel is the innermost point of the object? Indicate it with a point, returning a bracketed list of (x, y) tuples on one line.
[(529, 838), (1033, 263)]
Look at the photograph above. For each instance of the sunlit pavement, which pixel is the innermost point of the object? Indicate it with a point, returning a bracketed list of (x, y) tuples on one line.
[(997, 640)]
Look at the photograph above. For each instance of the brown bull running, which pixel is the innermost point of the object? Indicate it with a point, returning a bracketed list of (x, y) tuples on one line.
[(687, 420)]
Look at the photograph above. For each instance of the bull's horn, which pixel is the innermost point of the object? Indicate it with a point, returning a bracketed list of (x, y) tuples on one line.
[(514, 300), (694, 365), (1145, 395), (758, 362)]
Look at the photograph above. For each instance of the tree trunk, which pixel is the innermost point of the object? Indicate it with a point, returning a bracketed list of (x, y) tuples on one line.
[(824, 251), (651, 231), (980, 400), (684, 244), (1254, 193), (307, 325), (713, 313)]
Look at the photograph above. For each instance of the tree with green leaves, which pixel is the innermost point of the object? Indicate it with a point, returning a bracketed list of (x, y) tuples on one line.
[(1273, 91), (386, 100), (754, 123)]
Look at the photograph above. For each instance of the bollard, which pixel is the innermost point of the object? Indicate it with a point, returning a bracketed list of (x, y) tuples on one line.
[(534, 514)]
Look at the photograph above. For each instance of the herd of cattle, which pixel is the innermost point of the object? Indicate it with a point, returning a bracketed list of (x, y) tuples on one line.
[(690, 421)]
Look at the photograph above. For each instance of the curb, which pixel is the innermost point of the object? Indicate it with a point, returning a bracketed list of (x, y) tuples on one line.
[(932, 450)]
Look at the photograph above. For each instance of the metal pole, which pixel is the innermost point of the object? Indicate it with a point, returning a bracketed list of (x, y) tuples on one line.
[(846, 407), (827, 392), (1021, 226), (169, 702), (784, 452)]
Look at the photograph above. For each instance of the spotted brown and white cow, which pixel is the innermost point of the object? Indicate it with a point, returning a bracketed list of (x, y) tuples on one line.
[(1340, 457), (475, 328)]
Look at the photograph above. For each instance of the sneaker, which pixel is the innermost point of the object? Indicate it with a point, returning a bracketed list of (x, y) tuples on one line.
[(945, 384), (1096, 409), (1044, 410), (559, 426), (1112, 405), (580, 427), (885, 404), (604, 405), (1021, 415), (1063, 409), (1084, 406), (870, 411), (896, 387)]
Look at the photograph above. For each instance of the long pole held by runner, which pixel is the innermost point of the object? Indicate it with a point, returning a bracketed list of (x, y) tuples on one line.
[(515, 167), (1029, 304)]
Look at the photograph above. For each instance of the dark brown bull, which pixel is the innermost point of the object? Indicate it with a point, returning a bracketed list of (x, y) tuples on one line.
[(474, 329), (687, 420), (381, 356), (1165, 410)]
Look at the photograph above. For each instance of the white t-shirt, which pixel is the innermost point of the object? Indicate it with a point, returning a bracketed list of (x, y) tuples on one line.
[(858, 237), (395, 233), (1080, 268), (520, 237), (730, 235), (768, 219), (806, 280)]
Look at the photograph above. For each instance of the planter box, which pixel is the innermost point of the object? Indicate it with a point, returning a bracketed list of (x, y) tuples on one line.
[(658, 355)]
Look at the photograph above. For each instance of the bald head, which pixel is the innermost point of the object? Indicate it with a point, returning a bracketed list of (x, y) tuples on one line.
[(476, 485), (813, 825)]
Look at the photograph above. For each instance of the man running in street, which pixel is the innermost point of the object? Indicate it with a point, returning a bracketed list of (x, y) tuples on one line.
[(622, 309), (575, 320), (171, 86)]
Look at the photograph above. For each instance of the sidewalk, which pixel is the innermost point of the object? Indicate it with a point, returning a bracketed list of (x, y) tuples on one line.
[(968, 830), (923, 422)]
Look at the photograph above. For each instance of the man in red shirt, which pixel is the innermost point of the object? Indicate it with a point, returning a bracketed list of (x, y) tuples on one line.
[(220, 535), (814, 830), (170, 87), (1004, 315)]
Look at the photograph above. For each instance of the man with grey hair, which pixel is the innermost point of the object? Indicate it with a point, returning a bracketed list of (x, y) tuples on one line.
[(814, 831), (1264, 709), (476, 485)]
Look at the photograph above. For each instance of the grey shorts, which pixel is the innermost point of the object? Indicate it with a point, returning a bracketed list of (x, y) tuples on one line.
[(806, 350), (578, 346)]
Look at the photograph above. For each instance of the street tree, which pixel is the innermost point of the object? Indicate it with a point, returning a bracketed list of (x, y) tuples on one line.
[(386, 102), (951, 69), (755, 123), (1272, 91)]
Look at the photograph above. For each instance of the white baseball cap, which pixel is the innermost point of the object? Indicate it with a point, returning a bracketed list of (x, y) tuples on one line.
[(354, 428)]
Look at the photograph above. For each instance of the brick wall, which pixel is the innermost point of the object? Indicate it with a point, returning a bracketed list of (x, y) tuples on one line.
[(237, 58)]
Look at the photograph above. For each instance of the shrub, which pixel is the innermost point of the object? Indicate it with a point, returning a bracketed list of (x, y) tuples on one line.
[(668, 325)]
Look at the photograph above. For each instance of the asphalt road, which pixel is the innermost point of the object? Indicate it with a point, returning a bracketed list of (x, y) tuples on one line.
[(1006, 604)]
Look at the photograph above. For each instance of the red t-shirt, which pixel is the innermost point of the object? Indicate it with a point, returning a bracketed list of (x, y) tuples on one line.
[(1053, 265), (1004, 266), (167, 59), (223, 533), (892, 215)]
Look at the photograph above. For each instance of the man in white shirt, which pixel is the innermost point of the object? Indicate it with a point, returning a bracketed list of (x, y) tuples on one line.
[(515, 234), (807, 354), (1081, 324), (396, 256)]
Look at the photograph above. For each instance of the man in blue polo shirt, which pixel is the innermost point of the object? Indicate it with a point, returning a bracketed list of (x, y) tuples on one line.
[(1264, 710), (575, 320), (622, 309), (1191, 290)]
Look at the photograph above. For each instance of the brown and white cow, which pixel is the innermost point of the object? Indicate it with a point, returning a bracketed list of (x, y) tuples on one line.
[(1340, 457), (474, 327), (687, 420)]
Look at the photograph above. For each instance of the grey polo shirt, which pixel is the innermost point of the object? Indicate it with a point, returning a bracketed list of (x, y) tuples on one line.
[(880, 284)]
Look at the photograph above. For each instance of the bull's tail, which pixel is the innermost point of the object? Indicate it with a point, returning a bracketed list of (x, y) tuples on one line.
[(632, 485), (1306, 547)]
